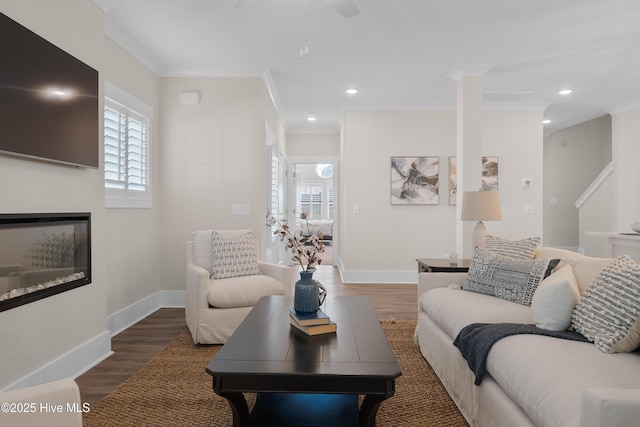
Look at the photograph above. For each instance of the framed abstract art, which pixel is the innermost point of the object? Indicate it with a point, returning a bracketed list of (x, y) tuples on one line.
[(490, 173), (414, 180)]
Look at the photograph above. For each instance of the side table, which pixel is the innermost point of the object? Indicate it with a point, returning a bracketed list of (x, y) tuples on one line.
[(442, 265)]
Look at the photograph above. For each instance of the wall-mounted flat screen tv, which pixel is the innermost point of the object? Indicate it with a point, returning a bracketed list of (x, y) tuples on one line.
[(48, 100)]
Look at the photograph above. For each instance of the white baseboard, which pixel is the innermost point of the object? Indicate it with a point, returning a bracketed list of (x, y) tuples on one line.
[(121, 320), (97, 349), (377, 276), (87, 355)]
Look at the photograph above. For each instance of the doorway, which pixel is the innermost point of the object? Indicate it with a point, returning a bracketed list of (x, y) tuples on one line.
[(314, 194)]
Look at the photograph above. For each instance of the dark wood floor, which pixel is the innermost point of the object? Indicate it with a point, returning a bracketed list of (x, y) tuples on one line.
[(135, 346)]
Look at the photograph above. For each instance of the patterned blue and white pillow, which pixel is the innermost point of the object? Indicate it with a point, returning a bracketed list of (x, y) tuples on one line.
[(233, 257), (608, 314), (509, 279)]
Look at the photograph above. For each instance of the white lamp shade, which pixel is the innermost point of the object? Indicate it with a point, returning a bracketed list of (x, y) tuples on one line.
[(481, 206)]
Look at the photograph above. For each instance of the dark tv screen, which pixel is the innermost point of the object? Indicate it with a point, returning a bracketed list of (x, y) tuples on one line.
[(48, 100)]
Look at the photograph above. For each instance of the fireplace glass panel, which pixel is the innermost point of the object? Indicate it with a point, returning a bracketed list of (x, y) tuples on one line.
[(42, 255)]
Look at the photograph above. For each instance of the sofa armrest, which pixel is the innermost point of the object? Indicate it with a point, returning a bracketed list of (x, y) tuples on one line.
[(197, 286), (427, 281), (610, 408), (62, 400), (281, 273)]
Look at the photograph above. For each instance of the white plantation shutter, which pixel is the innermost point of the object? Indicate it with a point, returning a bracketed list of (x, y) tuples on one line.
[(126, 156)]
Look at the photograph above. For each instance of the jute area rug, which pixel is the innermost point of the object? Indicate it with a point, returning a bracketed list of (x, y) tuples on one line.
[(174, 390)]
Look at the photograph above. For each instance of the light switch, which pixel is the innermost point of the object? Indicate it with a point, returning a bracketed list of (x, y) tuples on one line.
[(356, 209), (554, 200), (240, 210), (528, 210)]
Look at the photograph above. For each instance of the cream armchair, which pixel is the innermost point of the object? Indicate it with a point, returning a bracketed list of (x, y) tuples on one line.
[(215, 307)]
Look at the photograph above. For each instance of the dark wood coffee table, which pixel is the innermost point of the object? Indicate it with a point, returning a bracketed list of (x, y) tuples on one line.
[(287, 368)]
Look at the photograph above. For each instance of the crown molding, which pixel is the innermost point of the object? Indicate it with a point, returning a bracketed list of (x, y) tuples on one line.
[(621, 108), (462, 70)]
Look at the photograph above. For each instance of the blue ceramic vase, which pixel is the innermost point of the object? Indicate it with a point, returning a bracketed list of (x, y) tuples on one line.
[(307, 296)]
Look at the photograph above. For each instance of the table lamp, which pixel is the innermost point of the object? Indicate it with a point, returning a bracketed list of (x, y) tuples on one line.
[(480, 206)]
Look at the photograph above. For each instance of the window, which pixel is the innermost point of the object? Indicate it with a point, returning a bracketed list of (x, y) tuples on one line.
[(324, 170), (126, 152), (316, 200)]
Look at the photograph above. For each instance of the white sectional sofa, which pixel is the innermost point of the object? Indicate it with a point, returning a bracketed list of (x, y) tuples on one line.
[(52, 404), (530, 380)]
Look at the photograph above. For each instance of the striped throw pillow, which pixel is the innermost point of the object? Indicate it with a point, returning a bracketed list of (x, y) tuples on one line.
[(514, 249), (608, 314)]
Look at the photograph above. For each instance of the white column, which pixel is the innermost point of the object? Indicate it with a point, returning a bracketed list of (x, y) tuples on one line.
[(470, 87)]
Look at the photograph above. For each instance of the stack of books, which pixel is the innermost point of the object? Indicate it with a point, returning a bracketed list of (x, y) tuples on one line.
[(312, 324)]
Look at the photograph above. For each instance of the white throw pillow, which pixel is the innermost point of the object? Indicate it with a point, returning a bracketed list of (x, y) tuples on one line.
[(554, 300), (608, 314)]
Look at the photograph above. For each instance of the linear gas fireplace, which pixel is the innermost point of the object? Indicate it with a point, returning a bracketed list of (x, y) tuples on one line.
[(42, 255)]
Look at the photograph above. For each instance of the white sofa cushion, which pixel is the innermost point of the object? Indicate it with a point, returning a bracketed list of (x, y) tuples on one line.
[(554, 300), (243, 291), (609, 311), (514, 249), (453, 309), (585, 268), (547, 376), (510, 279), (233, 257)]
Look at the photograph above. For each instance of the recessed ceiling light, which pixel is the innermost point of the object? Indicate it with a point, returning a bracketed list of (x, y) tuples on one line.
[(352, 91), (311, 118), (565, 91), (546, 121)]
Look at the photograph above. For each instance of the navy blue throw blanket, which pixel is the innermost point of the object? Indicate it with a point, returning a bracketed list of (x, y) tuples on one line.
[(475, 341)]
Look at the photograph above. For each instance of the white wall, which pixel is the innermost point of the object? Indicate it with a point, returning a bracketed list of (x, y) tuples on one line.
[(383, 240), (313, 144), (516, 138), (616, 203), (589, 145), (38, 333), (212, 157), (596, 215), (626, 158), (385, 237), (133, 237)]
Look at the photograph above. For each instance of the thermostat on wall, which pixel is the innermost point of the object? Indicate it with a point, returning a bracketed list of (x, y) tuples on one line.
[(527, 182)]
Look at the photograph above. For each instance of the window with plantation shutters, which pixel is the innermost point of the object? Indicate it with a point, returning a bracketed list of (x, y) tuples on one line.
[(126, 156)]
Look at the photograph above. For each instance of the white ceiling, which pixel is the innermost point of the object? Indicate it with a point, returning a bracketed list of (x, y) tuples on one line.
[(396, 52)]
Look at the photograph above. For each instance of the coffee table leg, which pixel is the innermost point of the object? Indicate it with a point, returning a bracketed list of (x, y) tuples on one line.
[(239, 408), (369, 409)]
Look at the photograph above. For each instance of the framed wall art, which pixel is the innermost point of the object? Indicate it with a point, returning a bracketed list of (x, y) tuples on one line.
[(453, 179), (414, 180), (490, 173)]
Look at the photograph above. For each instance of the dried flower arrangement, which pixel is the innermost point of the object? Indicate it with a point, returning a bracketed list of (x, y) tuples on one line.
[(304, 249)]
